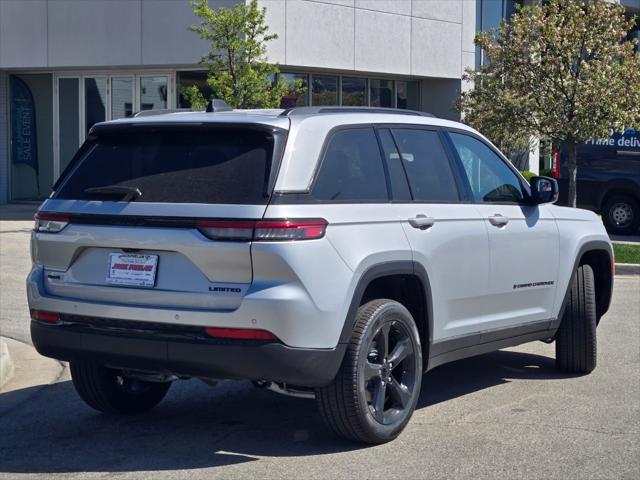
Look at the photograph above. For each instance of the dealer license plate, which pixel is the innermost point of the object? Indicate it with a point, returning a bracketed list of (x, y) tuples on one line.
[(133, 270)]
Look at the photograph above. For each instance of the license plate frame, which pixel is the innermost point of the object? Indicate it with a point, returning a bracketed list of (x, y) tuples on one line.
[(132, 270)]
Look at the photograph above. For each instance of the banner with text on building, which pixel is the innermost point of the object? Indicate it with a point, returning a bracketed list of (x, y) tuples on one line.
[(24, 138)]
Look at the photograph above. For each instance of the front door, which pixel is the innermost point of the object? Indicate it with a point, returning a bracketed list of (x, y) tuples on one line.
[(523, 238), (448, 238)]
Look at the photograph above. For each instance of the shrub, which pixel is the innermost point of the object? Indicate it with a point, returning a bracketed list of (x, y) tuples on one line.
[(527, 175)]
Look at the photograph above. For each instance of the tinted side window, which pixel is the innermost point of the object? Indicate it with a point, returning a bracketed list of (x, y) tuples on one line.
[(351, 168), (491, 180), (427, 165), (398, 178)]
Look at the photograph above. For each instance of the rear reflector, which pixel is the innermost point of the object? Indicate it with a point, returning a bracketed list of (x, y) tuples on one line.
[(240, 333), (42, 316), (50, 222), (263, 230)]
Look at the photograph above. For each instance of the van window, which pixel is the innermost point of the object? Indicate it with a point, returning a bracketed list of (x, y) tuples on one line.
[(427, 166), (351, 168), (221, 165)]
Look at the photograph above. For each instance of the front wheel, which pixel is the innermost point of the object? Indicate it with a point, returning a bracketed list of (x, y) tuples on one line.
[(576, 339), (376, 389), (109, 391)]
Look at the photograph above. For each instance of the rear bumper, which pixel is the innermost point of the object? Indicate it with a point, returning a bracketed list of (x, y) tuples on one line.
[(187, 355)]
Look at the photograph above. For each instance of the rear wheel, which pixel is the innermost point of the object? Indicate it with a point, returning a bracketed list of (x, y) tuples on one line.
[(109, 391), (576, 340), (376, 389), (621, 214)]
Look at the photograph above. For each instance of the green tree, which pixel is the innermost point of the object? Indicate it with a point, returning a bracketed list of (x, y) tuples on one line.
[(560, 70), (238, 69)]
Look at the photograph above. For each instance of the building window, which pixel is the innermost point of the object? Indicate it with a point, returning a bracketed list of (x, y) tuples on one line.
[(293, 98), (408, 95), (489, 15), (354, 91), (381, 93), (153, 92), (324, 90), (95, 94), (188, 79)]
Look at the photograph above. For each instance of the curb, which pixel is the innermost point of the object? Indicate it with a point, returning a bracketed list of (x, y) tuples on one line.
[(627, 268), (6, 364)]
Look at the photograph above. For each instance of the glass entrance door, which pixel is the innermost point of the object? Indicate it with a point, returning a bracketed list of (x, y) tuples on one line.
[(153, 92), (121, 97)]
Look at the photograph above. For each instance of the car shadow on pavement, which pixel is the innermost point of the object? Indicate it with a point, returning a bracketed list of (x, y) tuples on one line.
[(197, 426)]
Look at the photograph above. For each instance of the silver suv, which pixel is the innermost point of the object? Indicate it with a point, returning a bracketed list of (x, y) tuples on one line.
[(328, 252)]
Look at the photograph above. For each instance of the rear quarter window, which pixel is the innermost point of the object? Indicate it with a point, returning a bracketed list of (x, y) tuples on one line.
[(215, 165), (351, 168)]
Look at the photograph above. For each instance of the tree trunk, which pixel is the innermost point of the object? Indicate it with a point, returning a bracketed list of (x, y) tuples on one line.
[(573, 168)]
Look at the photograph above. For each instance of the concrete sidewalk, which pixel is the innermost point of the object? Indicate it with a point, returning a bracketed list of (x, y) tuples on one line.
[(31, 372)]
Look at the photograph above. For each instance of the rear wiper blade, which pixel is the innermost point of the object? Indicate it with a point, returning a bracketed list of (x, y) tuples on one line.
[(128, 193)]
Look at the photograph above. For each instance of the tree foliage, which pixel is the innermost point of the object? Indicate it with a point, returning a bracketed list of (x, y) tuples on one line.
[(561, 70), (238, 69)]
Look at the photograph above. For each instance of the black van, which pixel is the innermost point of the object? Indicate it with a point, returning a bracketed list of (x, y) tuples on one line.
[(608, 180)]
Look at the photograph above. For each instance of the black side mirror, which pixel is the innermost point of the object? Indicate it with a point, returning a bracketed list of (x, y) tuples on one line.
[(543, 190)]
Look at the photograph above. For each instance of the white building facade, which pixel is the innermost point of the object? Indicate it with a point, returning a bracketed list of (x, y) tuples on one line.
[(67, 64)]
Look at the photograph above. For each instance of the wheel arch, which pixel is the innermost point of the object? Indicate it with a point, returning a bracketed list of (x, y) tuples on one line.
[(405, 281), (618, 187), (598, 254)]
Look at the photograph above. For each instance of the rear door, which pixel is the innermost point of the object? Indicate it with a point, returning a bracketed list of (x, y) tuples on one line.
[(447, 235), (523, 238), (184, 239)]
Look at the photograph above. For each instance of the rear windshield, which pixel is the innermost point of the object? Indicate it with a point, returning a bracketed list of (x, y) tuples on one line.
[(222, 165)]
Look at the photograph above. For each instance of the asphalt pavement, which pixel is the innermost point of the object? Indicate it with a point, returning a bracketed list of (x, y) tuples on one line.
[(507, 414)]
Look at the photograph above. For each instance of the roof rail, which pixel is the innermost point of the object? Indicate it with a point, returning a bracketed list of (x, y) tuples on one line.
[(317, 110), (162, 111)]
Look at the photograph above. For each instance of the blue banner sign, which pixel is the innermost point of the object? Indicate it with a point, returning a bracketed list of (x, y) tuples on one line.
[(630, 138), (23, 125)]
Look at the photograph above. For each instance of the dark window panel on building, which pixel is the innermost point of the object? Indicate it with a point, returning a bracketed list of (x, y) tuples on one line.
[(408, 95), (95, 94), (293, 98), (354, 91), (68, 119), (188, 79), (381, 93), (324, 90)]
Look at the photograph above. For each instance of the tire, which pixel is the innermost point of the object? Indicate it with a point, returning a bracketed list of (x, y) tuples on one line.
[(621, 214), (576, 350), (107, 391), (371, 400)]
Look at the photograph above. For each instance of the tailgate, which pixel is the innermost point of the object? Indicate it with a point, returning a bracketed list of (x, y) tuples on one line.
[(188, 269)]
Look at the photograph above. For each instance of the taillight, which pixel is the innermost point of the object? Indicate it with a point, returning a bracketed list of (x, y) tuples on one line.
[(50, 222), (229, 230), (240, 333), (42, 316), (279, 230), (262, 230)]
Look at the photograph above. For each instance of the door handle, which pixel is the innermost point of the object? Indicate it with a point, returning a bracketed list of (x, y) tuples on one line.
[(498, 220), (422, 222)]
